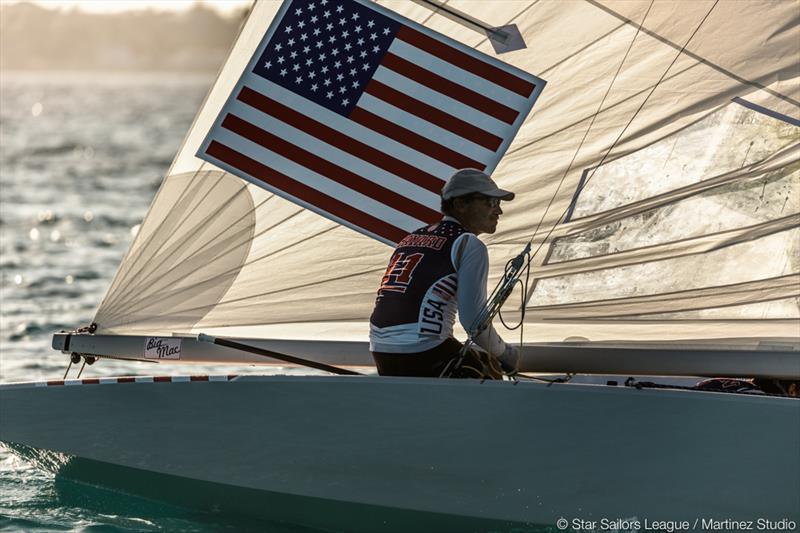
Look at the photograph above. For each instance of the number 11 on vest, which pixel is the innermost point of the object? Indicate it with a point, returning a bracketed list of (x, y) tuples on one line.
[(398, 274)]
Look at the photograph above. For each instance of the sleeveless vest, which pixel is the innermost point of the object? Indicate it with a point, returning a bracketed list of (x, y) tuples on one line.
[(420, 283)]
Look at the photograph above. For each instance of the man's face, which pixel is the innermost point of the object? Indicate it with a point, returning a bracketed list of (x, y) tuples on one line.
[(478, 214)]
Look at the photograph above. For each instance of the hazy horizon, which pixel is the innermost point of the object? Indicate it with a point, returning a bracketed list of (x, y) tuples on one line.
[(33, 37)]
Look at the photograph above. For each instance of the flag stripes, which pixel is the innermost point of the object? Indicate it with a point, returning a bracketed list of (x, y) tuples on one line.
[(433, 115), (326, 168), (419, 143), (335, 138), (450, 88), (305, 193), (467, 62)]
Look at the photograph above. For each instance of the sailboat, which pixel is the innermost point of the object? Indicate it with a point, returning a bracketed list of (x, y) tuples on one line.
[(657, 173)]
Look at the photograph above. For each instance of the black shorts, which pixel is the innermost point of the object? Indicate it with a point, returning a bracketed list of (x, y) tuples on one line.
[(431, 363)]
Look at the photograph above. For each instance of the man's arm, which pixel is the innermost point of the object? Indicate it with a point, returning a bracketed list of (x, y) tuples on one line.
[(473, 272)]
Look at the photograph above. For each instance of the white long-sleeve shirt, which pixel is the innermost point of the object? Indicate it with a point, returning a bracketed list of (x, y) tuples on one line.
[(470, 260)]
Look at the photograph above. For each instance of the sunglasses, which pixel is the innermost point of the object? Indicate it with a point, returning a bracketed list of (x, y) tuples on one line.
[(490, 200)]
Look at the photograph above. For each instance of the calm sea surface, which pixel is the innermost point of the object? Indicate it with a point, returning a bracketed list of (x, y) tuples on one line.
[(81, 156)]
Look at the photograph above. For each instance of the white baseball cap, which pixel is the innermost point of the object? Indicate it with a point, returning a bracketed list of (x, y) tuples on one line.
[(470, 180)]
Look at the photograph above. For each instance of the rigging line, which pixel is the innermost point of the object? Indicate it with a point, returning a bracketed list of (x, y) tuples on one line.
[(127, 258), (645, 254), (196, 253), (578, 226), (699, 58), (140, 276), (131, 307), (641, 106), (588, 129), (610, 107)]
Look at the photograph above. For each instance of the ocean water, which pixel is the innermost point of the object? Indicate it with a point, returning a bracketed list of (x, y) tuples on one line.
[(81, 156)]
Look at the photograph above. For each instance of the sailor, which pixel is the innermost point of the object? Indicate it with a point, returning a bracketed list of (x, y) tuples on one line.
[(434, 272)]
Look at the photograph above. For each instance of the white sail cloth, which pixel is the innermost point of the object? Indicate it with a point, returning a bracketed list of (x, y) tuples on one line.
[(681, 204)]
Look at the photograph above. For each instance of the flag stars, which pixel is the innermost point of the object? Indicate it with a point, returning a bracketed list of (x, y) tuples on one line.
[(360, 41), (345, 34), (322, 57), (295, 67), (357, 29), (298, 79), (339, 77), (386, 31), (324, 69), (288, 29), (278, 47), (306, 49), (338, 64), (283, 72), (329, 27), (339, 9), (342, 21), (312, 74), (329, 94), (348, 46), (320, 44), (350, 59), (314, 87), (342, 90), (301, 24), (363, 54), (335, 52), (293, 55), (365, 67), (290, 42), (376, 48), (304, 37), (373, 36), (353, 72), (309, 61), (370, 24), (298, 11), (345, 101), (268, 64), (314, 19), (326, 82), (281, 60), (355, 84), (317, 31), (355, 16)]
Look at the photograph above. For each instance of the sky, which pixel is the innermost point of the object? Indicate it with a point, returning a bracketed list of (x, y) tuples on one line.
[(116, 6)]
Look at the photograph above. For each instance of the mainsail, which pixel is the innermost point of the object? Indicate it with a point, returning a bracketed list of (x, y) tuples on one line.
[(658, 176)]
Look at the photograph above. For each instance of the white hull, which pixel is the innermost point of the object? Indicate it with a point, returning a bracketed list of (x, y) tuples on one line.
[(491, 452)]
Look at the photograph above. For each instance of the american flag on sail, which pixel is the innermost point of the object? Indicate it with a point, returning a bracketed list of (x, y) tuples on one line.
[(361, 115)]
